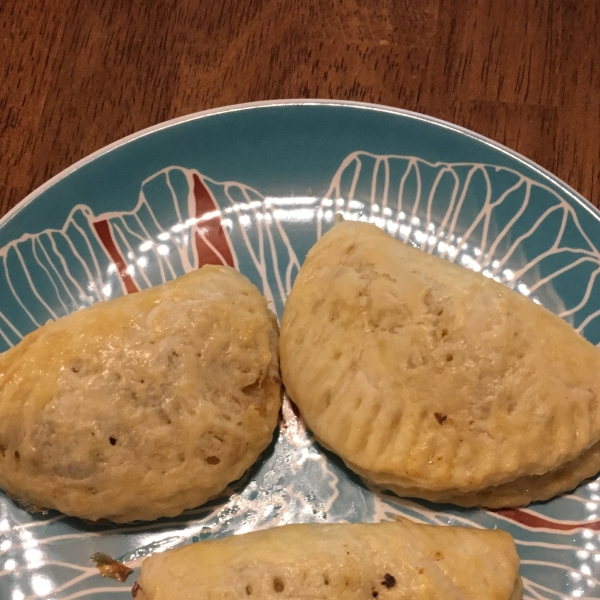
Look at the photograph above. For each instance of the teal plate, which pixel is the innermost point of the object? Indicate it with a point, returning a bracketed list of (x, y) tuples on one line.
[(254, 186)]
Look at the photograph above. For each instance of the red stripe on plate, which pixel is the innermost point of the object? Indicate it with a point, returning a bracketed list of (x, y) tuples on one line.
[(105, 235), (211, 229), (536, 522)]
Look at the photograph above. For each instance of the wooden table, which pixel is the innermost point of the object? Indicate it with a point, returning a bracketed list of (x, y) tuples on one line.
[(78, 74)]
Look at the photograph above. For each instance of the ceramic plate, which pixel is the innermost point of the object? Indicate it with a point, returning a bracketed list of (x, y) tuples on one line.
[(254, 187)]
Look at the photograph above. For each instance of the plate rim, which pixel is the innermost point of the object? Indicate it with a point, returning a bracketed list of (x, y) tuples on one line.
[(565, 187)]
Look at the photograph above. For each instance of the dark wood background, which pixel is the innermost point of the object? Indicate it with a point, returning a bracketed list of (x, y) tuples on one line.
[(78, 74)]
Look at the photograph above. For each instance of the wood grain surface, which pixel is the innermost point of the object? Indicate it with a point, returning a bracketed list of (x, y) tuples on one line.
[(78, 74)]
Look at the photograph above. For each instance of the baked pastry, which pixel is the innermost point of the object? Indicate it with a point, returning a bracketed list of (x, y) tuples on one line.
[(141, 406), (436, 381), (385, 560)]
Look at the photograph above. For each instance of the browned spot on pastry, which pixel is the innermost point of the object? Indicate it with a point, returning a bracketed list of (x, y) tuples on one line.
[(440, 418), (109, 567)]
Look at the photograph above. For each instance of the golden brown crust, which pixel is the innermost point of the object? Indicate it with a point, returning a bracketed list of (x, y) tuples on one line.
[(142, 406)]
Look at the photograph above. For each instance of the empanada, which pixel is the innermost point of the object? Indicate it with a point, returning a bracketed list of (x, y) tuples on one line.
[(432, 379), (396, 560), (142, 406)]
